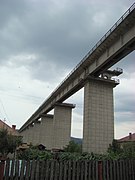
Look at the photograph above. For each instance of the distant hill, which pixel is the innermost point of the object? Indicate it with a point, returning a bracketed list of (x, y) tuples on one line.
[(76, 140)]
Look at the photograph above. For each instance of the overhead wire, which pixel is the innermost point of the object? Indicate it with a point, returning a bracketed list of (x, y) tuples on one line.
[(3, 110), (24, 97), (7, 117)]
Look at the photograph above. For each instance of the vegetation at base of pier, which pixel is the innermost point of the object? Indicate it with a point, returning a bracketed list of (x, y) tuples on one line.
[(124, 151), (34, 153), (73, 152), (73, 147)]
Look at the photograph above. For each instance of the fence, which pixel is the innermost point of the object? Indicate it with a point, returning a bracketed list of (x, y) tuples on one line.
[(69, 170)]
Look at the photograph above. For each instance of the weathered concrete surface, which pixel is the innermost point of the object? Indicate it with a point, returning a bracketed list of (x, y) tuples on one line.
[(62, 125), (98, 127), (53, 131)]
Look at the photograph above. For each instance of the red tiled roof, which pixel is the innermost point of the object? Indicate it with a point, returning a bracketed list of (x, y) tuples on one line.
[(10, 130), (130, 137)]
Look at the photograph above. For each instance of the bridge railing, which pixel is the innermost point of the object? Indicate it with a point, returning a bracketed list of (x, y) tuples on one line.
[(94, 48)]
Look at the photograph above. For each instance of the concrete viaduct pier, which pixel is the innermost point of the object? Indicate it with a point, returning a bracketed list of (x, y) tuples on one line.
[(98, 118), (92, 73)]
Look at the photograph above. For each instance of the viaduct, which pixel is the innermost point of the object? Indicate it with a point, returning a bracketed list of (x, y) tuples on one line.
[(94, 75)]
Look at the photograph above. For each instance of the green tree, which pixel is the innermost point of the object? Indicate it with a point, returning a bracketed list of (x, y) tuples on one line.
[(8, 142), (114, 147), (73, 147), (124, 151), (129, 146)]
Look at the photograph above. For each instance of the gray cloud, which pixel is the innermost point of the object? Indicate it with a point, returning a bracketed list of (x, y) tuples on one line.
[(58, 33), (127, 64), (125, 104)]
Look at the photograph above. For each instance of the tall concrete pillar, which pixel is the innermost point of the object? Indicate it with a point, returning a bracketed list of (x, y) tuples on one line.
[(62, 125), (35, 135), (27, 134), (46, 131), (24, 135), (98, 126)]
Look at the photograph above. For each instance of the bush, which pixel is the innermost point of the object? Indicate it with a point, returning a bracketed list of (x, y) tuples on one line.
[(73, 152), (73, 147), (34, 153)]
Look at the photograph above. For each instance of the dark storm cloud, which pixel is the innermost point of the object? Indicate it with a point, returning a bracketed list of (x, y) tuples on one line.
[(58, 33), (10, 9)]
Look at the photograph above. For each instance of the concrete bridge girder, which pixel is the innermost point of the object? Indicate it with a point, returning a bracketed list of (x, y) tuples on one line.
[(106, 56)]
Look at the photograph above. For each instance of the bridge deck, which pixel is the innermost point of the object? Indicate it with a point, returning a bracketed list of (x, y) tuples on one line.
[(111, 48)]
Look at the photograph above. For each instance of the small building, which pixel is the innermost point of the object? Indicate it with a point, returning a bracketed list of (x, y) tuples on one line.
[(11, 130), (127, 140)]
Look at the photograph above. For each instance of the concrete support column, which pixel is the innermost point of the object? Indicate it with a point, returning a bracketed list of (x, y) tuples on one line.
[(35, 133), (46, 131), (98, 126), (40, 132), (62, 125), (29, 134), (23, 134), (26, 135)]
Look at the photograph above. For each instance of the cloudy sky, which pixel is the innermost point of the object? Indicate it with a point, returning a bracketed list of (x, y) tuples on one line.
[(41, 41)]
